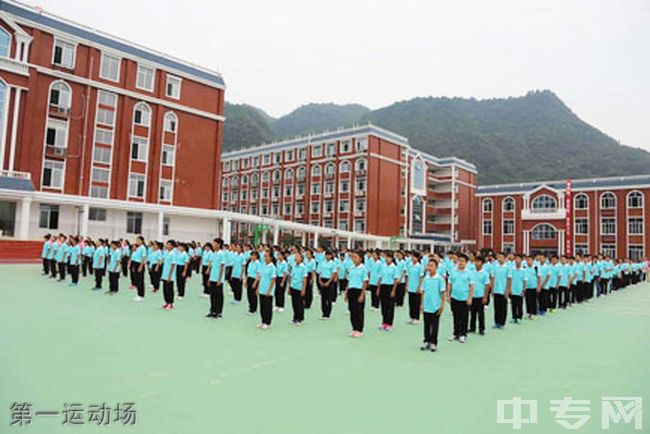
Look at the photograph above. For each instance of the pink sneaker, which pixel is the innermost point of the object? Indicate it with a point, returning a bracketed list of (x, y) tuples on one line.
[(164, 306)]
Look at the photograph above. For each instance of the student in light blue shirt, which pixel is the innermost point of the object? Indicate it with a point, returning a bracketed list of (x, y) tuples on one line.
[(433, 303), (356, 293), (154, 264), (44, 251), (326, 278), (114, 265), (460, 290), (501, 280), (387, 290), (252, 271), (375, 266), (182, 267), (51, 253), (60, 256), (265, 289), (217, 278), (517, 289), (564, 282), (87, 257), (481, 280), (169, 274), (297, 287), (282, 270), (138, 261), (400, 263), (414, 274), (533, 287), (544, 272), (74, 259), (99, 263), (236, 273), (206, 257)]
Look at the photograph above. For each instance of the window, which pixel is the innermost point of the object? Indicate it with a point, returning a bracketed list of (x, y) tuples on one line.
[(287, 209), (344, 186), (266, 159), (360, 185), (316, 151), (173, 88), (316, 170), (359, 225), (302, 154), (315, 189), (635, 200), (487, 227), (266, 177), (145, 78), (100, 191), (105, 117), (608, 226), (608, 250), (100, 175), (331, 149), (254, 179), (544, 203), (102, 154), (300, 189), (136, 185), (60, 95), (360, 205), (360, 165), (509, 204), (544, 231), (167, 156), (301, 172), (635, 226), (52, 174), (328, 206), (278, 157), (344, 167), (343, 225), (276, 175), (487, 205), (139, 148), (48, 217), (165, 191), (133, 222), (418, 175), (288, 191), (344, 206), (581, 201), (581, 249), (288, 175), (142, 115), (300, 208), (346, 145), (97, 214), (170, 123), (110, 67), (256, 161), (315, 207), (64, 54), (508, 248), (107, 98), (5, 42), (289, 155), (581, 226), (104, 136), (265, 193), (57, 133), (329, 187), (362, 144), (165, 228), (635, 252), (508, 227), (330, 170), (608, 201)]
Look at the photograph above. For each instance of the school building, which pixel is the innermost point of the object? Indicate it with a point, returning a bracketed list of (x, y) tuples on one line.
[(607, 216), (364, 179)]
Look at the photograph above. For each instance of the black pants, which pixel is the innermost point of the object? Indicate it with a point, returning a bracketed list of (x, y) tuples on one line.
[(125, 266), (280, 290), (228, 271), (400, 293), (180, 280), (459, 310), (113, 281), (414, 305), (573, 290), (387, 304), (431, 322), (562, 297), (99, 275), (374, 298), (74, 273), (52, 267), (266, 308), (205, 279), (216, 298), (155, 274), (298, 306), (343, 285), (579, 292), (517, 303), (236, 285), (552, 302), (46, 266), (326, 299), (62, 267), (250, 294), (309, 291), (542, 299), (85, 265), (605, 286), (531, 301), (356, 309), (137, 278), (500, 309), (168, 292), (477, 311)]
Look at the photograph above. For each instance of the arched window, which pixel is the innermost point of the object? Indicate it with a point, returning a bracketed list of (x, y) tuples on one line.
[(276, 175), (330, 169), (360, 164), (487, 205), (142, 115), (5, 42), (544, 203), (635, 199), (244, 179), (60, 95), (288, 175), (344, 166), (234, 181), (265, 177), (544, 231), (226, 182), (301, 172), (608, 201), (418, 174), (170, 122), (581, 201), (316, 170), (509, 204), (255, 178)]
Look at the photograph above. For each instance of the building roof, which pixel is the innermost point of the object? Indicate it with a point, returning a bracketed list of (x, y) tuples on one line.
[(13, 183), (576, 184), (447, 161), (25, 12), (325, 136)]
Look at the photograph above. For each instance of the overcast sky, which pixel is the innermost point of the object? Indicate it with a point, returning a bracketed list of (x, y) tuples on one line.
[(279, 54)]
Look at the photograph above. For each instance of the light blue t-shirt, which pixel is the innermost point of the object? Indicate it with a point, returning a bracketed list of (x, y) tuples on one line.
[(154, 257), (237, 265), (481, 280), (460, 282), (218, 259), (388, 274), (432, 289), (99, 257), (114, 261), (169, 265), (281, 267), (298, 273), (267, 274), (518, 278), (413, 273), (501, 274), (139, 254), (357, 275), (75, 252), (531, 278), (253, 268)]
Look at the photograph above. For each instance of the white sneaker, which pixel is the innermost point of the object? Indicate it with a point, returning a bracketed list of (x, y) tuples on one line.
[(265, 327), (416, 321), (410, 321), (205, 295), (280, 309), (452, 338), (275, 309), (259, 326), (138, 298), (433, 347), (180, 298), (462, 339), (324, 318)]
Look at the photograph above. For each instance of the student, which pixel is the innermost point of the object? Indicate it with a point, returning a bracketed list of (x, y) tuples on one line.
[(414, 276), (51, 254), (533, 287), (460, 290), (99, 264), (400, 263), (564, 282), (182, 265), (154, 260), (74, 260), (126, 255), (252, 270), (356, 293), (114, 266), (87, 260), (282, 269), (44, 251), (206, 257), (517, 289), (217, 277), (297, 288), (138, 259), (500, 283), (432, 305), (326, 278), (265, 289), (60, 256), (387, 291), (544, 278), (374, 266), (168, 274), (236, 273), (481, 291), (310, 265)]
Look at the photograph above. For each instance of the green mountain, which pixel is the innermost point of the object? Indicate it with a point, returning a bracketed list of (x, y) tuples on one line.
[(533, 137), (245, 126)]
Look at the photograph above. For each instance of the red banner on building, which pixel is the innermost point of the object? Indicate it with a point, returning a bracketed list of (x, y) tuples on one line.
[(568, 221)]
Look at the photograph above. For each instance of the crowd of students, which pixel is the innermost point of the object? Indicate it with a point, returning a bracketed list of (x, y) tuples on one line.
[(268, 275)]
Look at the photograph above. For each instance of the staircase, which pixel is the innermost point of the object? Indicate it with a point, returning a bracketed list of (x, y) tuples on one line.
[(15, 251)]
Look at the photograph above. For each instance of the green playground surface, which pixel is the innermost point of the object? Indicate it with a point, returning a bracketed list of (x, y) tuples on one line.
[(187, 374)]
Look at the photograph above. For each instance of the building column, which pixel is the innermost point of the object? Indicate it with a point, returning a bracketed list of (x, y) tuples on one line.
[(83, 230), (526, 241), (378, 244), (226, 227), (304, 239), (560, 243), (349, 243), (315, 240), (276, 235), (23, 228), (161, 223), (14, 129)]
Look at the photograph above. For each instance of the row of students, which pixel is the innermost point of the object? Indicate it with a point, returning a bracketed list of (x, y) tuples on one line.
[(270, 275)]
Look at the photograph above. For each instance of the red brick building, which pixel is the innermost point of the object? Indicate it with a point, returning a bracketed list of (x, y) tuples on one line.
[(607, 215)]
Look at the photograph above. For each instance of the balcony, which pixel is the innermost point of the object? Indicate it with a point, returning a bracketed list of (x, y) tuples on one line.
[(359, 213), (360, 192), (329, 176), (327, 195), (442, 188), (360, 172), (543, 214), (59, 111), (55, 151)]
